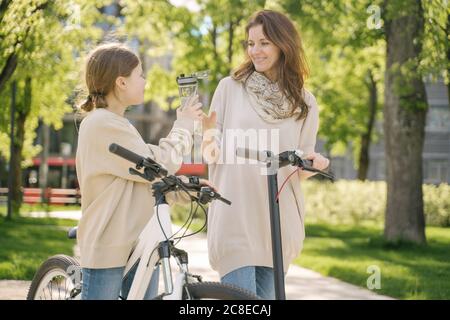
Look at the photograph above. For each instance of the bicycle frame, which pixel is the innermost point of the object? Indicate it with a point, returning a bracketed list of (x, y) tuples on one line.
[(157, 234), (146, 254)]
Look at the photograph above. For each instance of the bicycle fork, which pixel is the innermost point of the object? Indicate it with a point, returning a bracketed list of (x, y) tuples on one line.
[(173, 292)]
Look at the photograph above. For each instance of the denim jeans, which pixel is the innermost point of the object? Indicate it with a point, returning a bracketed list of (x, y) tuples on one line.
[(256, 279), (108, 284)]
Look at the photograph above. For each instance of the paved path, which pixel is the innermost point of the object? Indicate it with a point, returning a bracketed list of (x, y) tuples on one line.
[(76, 215), (301, 283)]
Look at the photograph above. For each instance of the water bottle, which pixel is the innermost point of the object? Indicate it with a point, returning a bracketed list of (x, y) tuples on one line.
[(187, 87)]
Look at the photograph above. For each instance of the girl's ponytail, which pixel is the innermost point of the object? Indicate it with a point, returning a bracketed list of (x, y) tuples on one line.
[(93, 100)]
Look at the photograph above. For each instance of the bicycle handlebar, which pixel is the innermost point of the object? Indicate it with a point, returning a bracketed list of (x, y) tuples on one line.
[(138, 160), (205, 194)]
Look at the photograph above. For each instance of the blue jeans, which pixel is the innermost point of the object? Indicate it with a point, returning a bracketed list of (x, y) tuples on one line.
[(256, 279), (108, 284)]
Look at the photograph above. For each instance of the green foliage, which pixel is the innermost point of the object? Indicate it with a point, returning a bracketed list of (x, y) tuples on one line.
[(356, 202), (342, 50), (180, 216), (436, 40), (437, 204), (341, 85), (160, 80), (195, 40), (431, 44), (47, 37), (342, 47)]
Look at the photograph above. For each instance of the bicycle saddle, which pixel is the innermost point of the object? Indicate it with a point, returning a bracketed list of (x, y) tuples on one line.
[(72, 234)]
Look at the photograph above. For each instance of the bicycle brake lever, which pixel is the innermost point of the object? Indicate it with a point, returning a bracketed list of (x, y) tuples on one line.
[(228, 202), (302, 163), (323, 173), (146, 175), (207, 194)]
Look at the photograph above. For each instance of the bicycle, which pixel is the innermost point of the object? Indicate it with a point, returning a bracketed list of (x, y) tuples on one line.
[(60, 276)]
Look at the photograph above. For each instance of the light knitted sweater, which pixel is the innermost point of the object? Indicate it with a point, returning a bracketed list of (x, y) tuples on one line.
[(239, 235), (115, 205)]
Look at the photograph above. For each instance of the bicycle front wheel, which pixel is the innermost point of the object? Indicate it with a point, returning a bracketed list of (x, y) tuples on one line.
[(216, 290), (58, 278)]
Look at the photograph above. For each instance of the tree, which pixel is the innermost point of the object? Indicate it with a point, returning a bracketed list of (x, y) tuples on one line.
[(404, 122), (39, 50), (347, 61), (416, 36)]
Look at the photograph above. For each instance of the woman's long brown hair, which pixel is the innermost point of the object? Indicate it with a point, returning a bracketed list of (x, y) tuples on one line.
[(292, 65)]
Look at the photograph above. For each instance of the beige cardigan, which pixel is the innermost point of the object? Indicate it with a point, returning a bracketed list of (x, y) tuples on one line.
[(239, 235), (116, 205)]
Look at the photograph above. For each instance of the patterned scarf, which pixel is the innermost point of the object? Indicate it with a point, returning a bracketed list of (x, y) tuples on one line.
[(267, 99)]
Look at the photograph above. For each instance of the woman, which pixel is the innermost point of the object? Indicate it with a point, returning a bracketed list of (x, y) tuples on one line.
[(264, 97)]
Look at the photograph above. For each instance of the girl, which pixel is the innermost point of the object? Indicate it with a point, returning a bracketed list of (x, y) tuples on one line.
[(265, 94), (116, 205)]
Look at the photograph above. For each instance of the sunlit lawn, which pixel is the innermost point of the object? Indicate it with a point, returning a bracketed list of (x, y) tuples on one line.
[(26, 242), (407, 271)]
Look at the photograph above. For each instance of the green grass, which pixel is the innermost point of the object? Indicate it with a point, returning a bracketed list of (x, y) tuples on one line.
[(345, 251), (180, 213), (27, 242), (407, 271), (26, 208)]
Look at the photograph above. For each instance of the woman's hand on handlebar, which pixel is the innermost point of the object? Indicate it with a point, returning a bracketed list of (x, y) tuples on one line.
[(319, 161), (207, 183)]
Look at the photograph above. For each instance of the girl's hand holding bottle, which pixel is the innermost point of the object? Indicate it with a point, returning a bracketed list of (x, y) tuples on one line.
[(191, 110)]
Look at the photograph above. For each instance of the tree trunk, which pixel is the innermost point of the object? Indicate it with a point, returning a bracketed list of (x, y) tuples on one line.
[(231, 28), (214, 40), (22, 113), (447, 32), (43, 168), (404, 125), (364, 160), (230, 42)]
